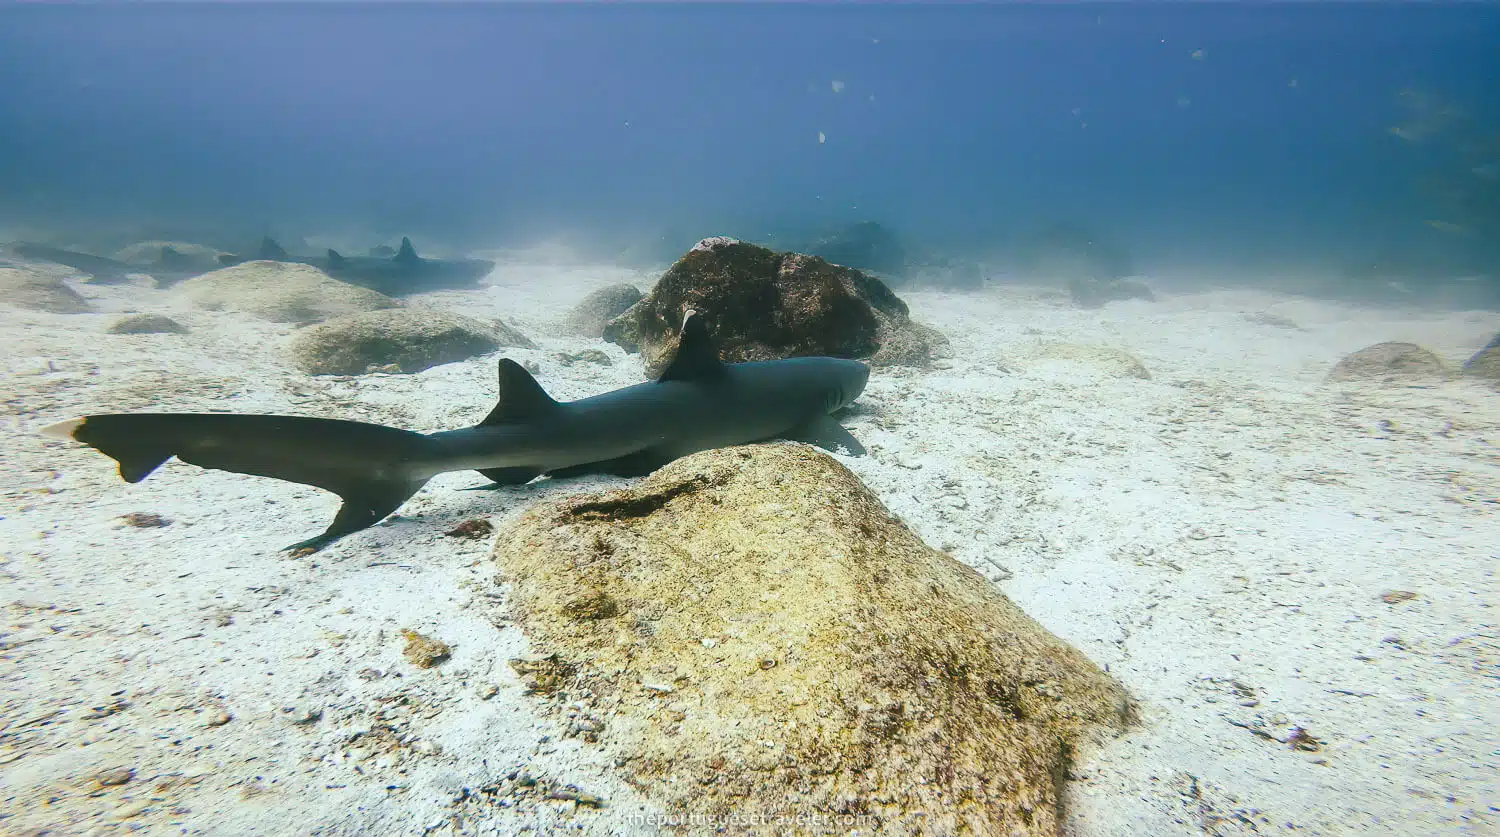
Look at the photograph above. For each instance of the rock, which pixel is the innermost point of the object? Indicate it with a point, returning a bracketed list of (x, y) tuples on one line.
[(1391, 363), (405, 340), (915, 345), (864, 246), (1096, 293), (29, 289), (424, 651), (590, 316), (280, 292), (147, 324), (760, 637), (1071, 251), (1105, 361), (763, 305), (1485, 364)]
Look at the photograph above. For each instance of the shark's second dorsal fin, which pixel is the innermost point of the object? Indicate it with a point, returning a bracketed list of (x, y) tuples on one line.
[(521, 397), (407, 253), (271, 251), (697, 357), (334, 259)]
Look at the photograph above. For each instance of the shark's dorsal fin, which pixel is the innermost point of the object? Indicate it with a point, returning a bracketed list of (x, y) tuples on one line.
[(697, 357), (270, 250), (169, 256), (407, 253), (521, 397), (334, 259)]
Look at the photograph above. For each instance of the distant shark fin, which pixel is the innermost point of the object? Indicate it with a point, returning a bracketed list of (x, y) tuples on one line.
[(827, 434), (521, 397), (170, 257), (697, 357), (271, 251), (334, 259), (407, 254)]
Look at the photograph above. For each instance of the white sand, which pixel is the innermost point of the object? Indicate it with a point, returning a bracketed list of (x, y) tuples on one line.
[(1220, 536)]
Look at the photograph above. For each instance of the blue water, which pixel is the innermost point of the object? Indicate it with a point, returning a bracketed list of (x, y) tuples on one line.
[(1216, 133)]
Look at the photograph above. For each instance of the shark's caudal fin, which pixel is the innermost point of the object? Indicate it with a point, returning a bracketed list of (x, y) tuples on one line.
[(407, 254), (364, 464)]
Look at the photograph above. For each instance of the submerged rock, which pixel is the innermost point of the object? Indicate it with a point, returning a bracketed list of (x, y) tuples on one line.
[(147, 324), (1391, 363), (1485, 364), (280, 292), (1096, 293), (1104, 361), (764, 305), (398, 340), (756, 635), (29, 289), (594, 312), (865, 246)]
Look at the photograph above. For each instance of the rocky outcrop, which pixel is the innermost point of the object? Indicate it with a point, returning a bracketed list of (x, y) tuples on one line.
[(751, 633), (1102, 361), (1396, 363), (764, 305), (589, 317), (398, 340), (36, 291), (280, 292), (866, 246)]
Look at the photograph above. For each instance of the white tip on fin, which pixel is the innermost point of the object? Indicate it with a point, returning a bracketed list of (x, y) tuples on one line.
[(63, 429)]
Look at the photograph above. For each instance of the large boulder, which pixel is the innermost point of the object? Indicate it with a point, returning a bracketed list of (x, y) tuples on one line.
[(764, 305), (589, 317), (280, 292), (39, 291), (1393, 363), (750, 633), (403, 340), (866, 246)]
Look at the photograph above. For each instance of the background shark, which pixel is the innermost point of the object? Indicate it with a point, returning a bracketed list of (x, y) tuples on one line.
[(170, 267), (403, 273)]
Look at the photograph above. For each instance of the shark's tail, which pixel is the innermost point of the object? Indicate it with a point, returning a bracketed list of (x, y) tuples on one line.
[(370, 466)]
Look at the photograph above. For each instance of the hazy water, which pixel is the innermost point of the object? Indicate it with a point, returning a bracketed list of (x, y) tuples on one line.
[(1217, 133)]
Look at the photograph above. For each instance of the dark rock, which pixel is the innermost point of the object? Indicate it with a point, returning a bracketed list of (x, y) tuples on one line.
[(147, 324), (1069, 251), (866, 246), (1095, 293), (596, 310), (765, 305)]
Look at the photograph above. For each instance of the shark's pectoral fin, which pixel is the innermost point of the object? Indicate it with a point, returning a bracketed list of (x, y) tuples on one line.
[(637, 464), (363, 507), (501, 477), (827, 434)]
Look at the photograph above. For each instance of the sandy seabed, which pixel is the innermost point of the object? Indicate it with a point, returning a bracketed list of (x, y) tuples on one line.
[(1250, 550)]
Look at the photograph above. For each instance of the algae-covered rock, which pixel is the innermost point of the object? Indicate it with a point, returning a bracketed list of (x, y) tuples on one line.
[(765, 305), (1391, 363), (147, 324), (280, 292), (758, 636), (38, 291), (594, 312), (399, 340)]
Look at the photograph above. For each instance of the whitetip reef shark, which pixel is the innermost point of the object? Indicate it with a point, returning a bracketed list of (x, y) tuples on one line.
[(698, 403)]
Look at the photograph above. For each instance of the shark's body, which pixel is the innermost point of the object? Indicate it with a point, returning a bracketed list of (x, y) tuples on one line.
[(404, 272), (697, 404), (171, 267)]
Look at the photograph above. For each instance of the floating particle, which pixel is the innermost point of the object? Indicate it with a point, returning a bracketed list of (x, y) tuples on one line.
[(822, 138), (1198, 54), (838, 86)]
